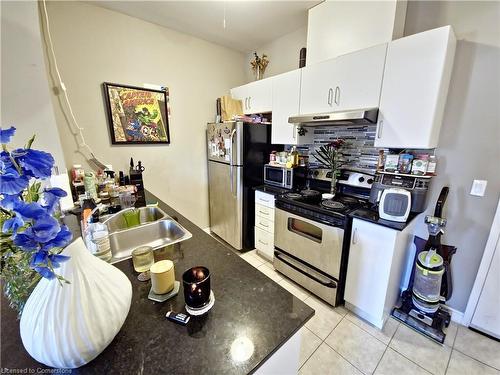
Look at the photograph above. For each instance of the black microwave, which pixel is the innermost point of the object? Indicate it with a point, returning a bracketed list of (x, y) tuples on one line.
[(281, 176)]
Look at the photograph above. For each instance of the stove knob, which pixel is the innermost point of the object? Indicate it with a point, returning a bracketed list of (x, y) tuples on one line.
[(329, 175), (370, 181), (316, 173), (361, 179)]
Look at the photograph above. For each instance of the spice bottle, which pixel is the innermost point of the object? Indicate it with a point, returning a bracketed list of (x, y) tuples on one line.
[(431, 165)]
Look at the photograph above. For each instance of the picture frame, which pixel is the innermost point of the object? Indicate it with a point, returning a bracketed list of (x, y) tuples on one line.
[(137, 115)]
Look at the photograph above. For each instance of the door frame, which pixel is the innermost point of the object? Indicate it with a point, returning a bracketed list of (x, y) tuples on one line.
[(489, 251)]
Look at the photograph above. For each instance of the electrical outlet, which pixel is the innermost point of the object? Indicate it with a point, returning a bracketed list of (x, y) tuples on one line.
[(478, 188)]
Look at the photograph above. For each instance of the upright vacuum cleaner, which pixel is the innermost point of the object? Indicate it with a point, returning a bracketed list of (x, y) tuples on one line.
[(422, 307)]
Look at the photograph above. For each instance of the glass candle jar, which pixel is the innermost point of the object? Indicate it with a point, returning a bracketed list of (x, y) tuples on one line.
[(196, 282)]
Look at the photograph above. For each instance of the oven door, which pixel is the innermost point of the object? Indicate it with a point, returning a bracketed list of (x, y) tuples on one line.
[(275, 176), (314, 243)]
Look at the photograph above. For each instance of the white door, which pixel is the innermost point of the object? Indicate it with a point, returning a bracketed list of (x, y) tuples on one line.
[(286, 96), (242, 93), (317, 86), (359, 78), (260, 99), (415, 85), (486, 317), (368, 269)]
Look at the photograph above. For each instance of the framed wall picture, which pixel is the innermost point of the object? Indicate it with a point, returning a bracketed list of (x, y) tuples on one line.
[(136, 115)]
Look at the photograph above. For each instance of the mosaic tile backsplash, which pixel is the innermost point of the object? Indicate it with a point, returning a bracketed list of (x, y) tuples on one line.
[(358, 152)]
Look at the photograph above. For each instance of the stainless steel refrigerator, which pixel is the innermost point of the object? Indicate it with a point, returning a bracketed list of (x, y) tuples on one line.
[(237, 153)]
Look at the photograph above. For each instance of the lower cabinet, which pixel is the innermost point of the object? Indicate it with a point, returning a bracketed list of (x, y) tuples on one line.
[(376, 270), (264, 225)]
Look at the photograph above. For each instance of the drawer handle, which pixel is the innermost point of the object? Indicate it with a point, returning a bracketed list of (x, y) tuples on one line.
[(264, 200), (264, 225), (263, 212), (354, 236), (263, 243)]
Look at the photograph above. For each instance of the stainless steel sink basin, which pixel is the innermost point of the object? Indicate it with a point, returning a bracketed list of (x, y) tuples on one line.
[(156, 229), (147, 215), (158, 234)]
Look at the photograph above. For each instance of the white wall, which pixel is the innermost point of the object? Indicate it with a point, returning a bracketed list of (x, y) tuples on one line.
[(469, 143), (283, 54), (94, 45), (25, 98)]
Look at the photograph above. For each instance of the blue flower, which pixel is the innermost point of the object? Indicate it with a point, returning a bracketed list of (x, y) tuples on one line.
[(12, 183), (52, 196), (44, 229), (12, 224), (34, 162), (63, 237), (9, 202), (6, 134), (25, 242), (31, 210), (57, 259)]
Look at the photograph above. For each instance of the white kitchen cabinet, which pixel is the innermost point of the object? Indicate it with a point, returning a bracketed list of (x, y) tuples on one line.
[(378, 259), (264, 224), (286, 100), (256, 96), (339, 27), (413, 97), (351, 81)]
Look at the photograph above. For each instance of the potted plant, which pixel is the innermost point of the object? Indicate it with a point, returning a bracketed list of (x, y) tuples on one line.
[(31, 235), (328, 156)]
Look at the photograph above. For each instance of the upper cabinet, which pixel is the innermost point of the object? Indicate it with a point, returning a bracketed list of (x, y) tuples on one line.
[(286, 96), (339, 27), (256, 96), (349, 81), (416, 79)]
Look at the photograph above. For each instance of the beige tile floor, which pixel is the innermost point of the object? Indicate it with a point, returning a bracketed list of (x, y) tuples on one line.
[(335, 341)]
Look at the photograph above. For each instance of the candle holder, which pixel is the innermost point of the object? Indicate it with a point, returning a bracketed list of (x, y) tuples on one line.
[(197, 292)]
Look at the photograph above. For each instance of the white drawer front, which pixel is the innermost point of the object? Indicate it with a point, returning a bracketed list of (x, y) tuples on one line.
[(265, 224), (264, 212), (264, 199), (264, 242)]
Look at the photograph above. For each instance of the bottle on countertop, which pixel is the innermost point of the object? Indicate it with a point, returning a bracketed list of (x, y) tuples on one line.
[(89, 182), (121, 178), (88, 206)]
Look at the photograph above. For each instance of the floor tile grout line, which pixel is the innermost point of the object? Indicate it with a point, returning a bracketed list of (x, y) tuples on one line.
[(475, 359), (352, 364), (371, 333), (380, 360), (404, 356)]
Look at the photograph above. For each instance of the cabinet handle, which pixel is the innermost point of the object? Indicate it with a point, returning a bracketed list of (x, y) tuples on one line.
[(263, 212), (263, 243), (330, 96), (354, 233), (337, 95), (249, 103), (380, 127), (264, 225), (246, 106), (264, 200)]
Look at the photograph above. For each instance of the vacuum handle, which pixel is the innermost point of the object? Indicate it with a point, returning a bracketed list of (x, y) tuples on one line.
[(440, 202)]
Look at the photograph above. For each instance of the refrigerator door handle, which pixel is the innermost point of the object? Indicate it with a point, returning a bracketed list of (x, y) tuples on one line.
[(231, 177)]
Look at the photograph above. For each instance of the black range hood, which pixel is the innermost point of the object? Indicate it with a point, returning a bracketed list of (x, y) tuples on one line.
[(363, 116)]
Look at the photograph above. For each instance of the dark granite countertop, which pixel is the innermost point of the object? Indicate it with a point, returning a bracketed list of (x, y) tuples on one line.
[(371, 215), (247, 304), (274, 190)]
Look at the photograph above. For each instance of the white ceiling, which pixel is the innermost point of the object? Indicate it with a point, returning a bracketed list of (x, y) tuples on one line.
[(249, 24)]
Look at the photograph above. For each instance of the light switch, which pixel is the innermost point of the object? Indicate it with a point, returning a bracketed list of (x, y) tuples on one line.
[(478, 188)]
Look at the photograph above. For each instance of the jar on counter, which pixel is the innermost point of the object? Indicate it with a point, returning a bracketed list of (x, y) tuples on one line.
[(431, 166), (272, 157)]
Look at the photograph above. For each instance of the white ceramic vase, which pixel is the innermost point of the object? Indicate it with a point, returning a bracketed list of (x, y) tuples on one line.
[(68, 326)]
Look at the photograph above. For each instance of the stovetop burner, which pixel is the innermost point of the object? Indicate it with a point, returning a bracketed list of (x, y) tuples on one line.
[(333, 205), (348, 200), (293, 196)]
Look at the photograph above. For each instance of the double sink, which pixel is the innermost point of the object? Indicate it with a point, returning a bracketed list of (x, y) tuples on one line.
[(155, 229)]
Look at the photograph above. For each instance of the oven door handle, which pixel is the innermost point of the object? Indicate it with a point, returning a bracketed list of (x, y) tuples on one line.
[(329, 284)]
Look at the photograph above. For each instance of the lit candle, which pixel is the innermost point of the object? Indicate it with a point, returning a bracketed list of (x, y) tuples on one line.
[(196, 283)]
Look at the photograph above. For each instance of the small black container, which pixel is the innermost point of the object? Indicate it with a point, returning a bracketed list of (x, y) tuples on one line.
[(196, 282)]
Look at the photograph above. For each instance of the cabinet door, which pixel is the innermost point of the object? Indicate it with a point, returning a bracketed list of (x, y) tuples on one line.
[(368, 269), (260, 97), (317, 86), (416, 79), (286, 96), (242, 93), (358, 77)]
